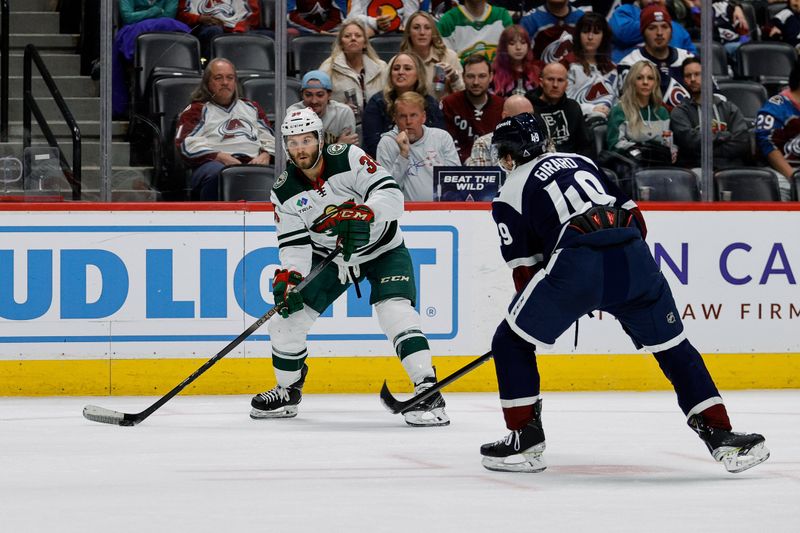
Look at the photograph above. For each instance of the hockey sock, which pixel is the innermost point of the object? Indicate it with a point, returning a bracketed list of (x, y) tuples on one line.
[(517, 376), (684, 367), (716, 417), (400, 321)]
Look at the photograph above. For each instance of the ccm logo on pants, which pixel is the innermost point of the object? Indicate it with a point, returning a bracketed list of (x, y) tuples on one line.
[(388, 279)]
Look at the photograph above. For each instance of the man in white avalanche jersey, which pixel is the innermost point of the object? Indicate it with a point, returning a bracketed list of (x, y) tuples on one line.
[(329, 195)]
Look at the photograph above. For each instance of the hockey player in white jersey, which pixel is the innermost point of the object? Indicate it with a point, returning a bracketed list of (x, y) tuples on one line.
[(332, 194)]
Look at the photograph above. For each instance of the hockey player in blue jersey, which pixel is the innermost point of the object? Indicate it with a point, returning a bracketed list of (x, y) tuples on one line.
[(576, 244)]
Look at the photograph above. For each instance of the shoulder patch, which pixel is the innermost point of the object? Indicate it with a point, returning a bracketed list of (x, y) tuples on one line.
[(281, 179), (776, 99), (336, 149)]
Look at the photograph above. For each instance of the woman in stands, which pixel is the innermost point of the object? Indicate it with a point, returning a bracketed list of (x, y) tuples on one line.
[(406, 73), (591, 76), (422, 37), (515, 69), (354, 67)]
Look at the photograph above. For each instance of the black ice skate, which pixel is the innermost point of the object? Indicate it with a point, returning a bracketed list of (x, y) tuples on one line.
[(737, 451), (521, 450), (279, 402), (429, 412)]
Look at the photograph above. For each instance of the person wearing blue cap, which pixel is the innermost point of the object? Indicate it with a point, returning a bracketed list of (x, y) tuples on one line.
[(338, 119)]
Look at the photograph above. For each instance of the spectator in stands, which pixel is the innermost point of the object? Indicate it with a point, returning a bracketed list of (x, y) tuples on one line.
[(551, 27), (656, 27), (219, 129), (473, 111), (315, 16), (785, 25), (731, 138), (405, 75), (638, 126), (137, 17), (474, 27), (354, 67), (338, 120), (411, 150), (209, 19), (730, 25), (482, 154), (591, 76), (422, 37), (778, 131), (561, 116), (627, 34), (515, 69)]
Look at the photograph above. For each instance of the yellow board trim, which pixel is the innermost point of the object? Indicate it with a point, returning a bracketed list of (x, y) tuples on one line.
[(126, 377)]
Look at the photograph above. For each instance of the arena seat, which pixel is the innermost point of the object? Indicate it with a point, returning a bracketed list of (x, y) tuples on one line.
[(747, 184), (246, 182), (667, 184), (262, 90), (252, 54), (308, 52), (747, 95)]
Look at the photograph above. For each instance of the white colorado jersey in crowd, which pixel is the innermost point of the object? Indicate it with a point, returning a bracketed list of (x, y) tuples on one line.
[(348, 174), (207, 128)]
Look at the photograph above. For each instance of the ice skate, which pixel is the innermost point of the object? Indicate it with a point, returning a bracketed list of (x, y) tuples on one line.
[(520, 451), (736, 451), (279, 402), (429, 412)]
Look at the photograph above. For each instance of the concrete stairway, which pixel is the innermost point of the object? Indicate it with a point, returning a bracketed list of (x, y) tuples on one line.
[(35, 21)]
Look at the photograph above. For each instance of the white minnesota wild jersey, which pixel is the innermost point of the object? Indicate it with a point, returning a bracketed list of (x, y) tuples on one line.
[(348, 174)]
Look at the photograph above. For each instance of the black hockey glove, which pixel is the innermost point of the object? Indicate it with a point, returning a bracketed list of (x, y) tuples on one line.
[(286, 299), (350, 222)]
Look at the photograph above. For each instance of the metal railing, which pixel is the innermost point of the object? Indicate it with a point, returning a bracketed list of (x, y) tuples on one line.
[(29, 106), (4, 51)]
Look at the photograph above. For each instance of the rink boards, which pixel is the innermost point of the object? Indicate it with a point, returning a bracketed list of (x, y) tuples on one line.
[(130, 299)]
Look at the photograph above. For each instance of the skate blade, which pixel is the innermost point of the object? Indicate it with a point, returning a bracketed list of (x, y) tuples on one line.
[(528, 462), (433, 418), (737, 461), (285, 412)]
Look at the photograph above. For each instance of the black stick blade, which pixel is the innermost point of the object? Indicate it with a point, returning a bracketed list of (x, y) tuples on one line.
[(107, 416), (389, 401)]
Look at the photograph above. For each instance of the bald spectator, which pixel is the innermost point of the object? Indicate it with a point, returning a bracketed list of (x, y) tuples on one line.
[(562, 117), (338, 119), (482, 154), (411, 149)]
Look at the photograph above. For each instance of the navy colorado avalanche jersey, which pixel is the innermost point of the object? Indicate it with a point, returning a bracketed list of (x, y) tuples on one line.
[(540, 197)]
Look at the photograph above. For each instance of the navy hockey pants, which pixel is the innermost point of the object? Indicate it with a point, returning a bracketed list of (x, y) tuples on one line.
[(622, 280)]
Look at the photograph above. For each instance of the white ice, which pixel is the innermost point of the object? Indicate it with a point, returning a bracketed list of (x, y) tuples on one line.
[(618, 462)]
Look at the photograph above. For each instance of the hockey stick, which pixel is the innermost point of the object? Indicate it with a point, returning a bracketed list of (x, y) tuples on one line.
[(396, 406), (108, 416)]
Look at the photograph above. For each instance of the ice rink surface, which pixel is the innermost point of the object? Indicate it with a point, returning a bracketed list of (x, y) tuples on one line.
[(617, 462)]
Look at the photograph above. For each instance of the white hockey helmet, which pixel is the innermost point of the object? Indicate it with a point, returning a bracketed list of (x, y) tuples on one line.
[(302, 121)]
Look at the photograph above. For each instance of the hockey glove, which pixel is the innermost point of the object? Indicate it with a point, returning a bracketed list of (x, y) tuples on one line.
[(350, 222), (286, 299)]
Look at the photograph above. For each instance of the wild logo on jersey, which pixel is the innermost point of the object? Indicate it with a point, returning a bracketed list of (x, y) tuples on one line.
[(236, 127), (391, 8)]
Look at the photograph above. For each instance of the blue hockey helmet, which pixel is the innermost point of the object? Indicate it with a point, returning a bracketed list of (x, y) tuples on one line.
[(519, 136)]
